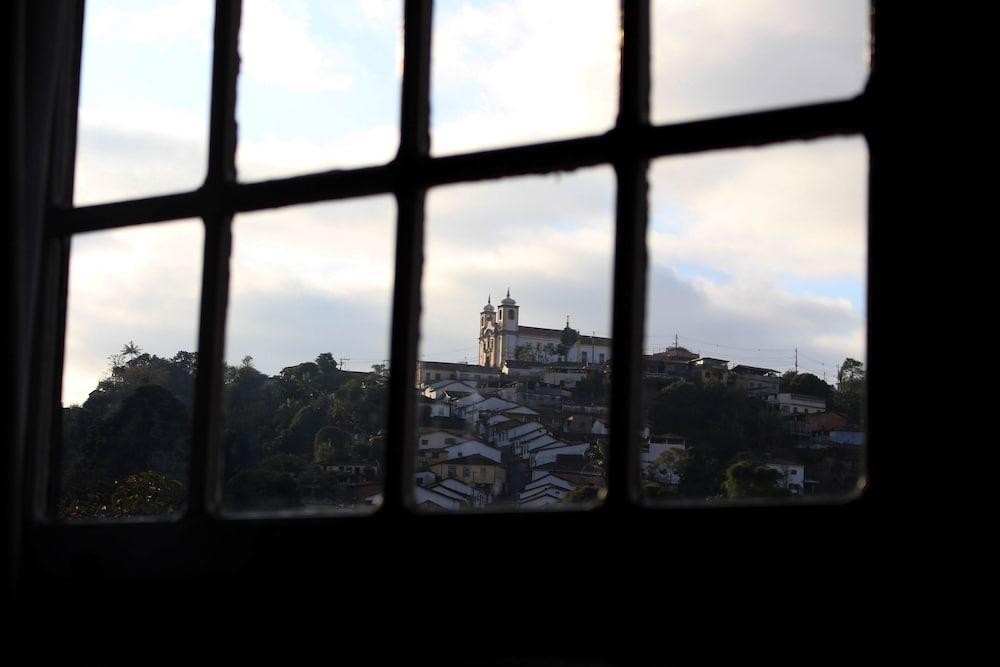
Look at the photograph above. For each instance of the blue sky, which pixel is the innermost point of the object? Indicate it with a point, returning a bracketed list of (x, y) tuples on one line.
[(752, 249)]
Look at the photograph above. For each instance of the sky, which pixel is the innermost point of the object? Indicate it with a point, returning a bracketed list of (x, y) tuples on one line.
[(753, 252)]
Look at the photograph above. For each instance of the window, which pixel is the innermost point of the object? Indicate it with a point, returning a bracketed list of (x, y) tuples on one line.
[(627, 148)]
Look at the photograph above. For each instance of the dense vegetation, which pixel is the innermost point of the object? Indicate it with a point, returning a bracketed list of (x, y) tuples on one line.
[(131, 438), (731, 435)]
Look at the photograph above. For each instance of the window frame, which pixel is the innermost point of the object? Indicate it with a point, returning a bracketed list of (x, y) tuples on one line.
[(57, 546)]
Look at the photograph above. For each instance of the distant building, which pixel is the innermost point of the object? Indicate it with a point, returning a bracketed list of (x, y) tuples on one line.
[(709, 370), (474, 469), (755, 381), (791, 475), (429, 372), (672, 363), (794, 404), (503, 338)]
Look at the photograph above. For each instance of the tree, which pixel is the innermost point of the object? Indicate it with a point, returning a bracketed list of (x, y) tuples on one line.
[(257, 489), (131, 350), (807, 384), (584, 494), (598, 453), (851, 371), (751, 479), (147, 493), (851, 392)]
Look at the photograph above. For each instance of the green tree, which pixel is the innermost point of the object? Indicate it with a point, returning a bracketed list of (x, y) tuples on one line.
[(260, 489), (147, 493), (751, 479), (586, 494)]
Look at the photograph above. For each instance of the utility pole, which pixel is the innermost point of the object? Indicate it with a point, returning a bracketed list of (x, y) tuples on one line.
[(796, 361), (342, 360)]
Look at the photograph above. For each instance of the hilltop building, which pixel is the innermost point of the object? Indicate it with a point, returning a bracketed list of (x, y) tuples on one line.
[(502, 338)]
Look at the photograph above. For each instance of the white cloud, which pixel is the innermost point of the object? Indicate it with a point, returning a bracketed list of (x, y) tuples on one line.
[(272, 157), (717, 57), (170, 22), (522, 71), (279, 48), (139, 283), (792, 209)]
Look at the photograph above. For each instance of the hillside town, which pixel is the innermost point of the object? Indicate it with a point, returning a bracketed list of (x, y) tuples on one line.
[(525, 428), (528, 426)]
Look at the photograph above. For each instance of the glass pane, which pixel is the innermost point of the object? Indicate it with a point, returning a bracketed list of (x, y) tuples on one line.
[(753, 383), (128, 374), (307, 342), (512, 404), (144, 98), (319, 86), (522, 71), (717, 57)]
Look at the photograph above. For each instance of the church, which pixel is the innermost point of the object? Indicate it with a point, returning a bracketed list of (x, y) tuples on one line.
[(502, 338)]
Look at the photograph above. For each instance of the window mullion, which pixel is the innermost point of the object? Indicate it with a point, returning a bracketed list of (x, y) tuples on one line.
[(630, 254), (411, 161), (218, 215)]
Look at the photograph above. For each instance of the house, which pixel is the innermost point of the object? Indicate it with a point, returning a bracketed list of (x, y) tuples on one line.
[(709, 370), (793, 404), (474, 469), (550, 452), (467, 447), (433, 438), (755, 381), (451, 387), (473, 495), (652, 447), (429, 499), (429, 372), (433, 407), (672, 363), (791, 475)]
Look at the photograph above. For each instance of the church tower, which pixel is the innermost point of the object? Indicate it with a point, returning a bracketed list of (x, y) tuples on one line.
[(507, 319), (487, 335)]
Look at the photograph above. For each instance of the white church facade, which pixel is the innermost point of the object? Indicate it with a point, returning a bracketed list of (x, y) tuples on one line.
[(502, 337)]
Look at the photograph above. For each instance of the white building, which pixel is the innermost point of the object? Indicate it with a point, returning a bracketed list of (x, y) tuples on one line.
[(797, 404), (791, 475), (502, 337)]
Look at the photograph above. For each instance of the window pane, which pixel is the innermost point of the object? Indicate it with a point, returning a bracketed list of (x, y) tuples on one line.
[(756, 303), (144, 98), (319, 86), (522, 71), (307, 342), (512, 406), (715, 57), (128, 375)]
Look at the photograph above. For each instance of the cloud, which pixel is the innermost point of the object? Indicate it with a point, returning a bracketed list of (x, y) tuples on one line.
[(716, 57), (797, 209), (278, 47), (139, 283), (164, 23), (740, 241), (517, 72)]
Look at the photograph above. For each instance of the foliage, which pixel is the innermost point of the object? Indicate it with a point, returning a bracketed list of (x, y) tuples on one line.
[(139, 419), (598, 453), (147, 493), (851, 394), (751, 479), (583, 494), (806, 384), (261, 489)]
